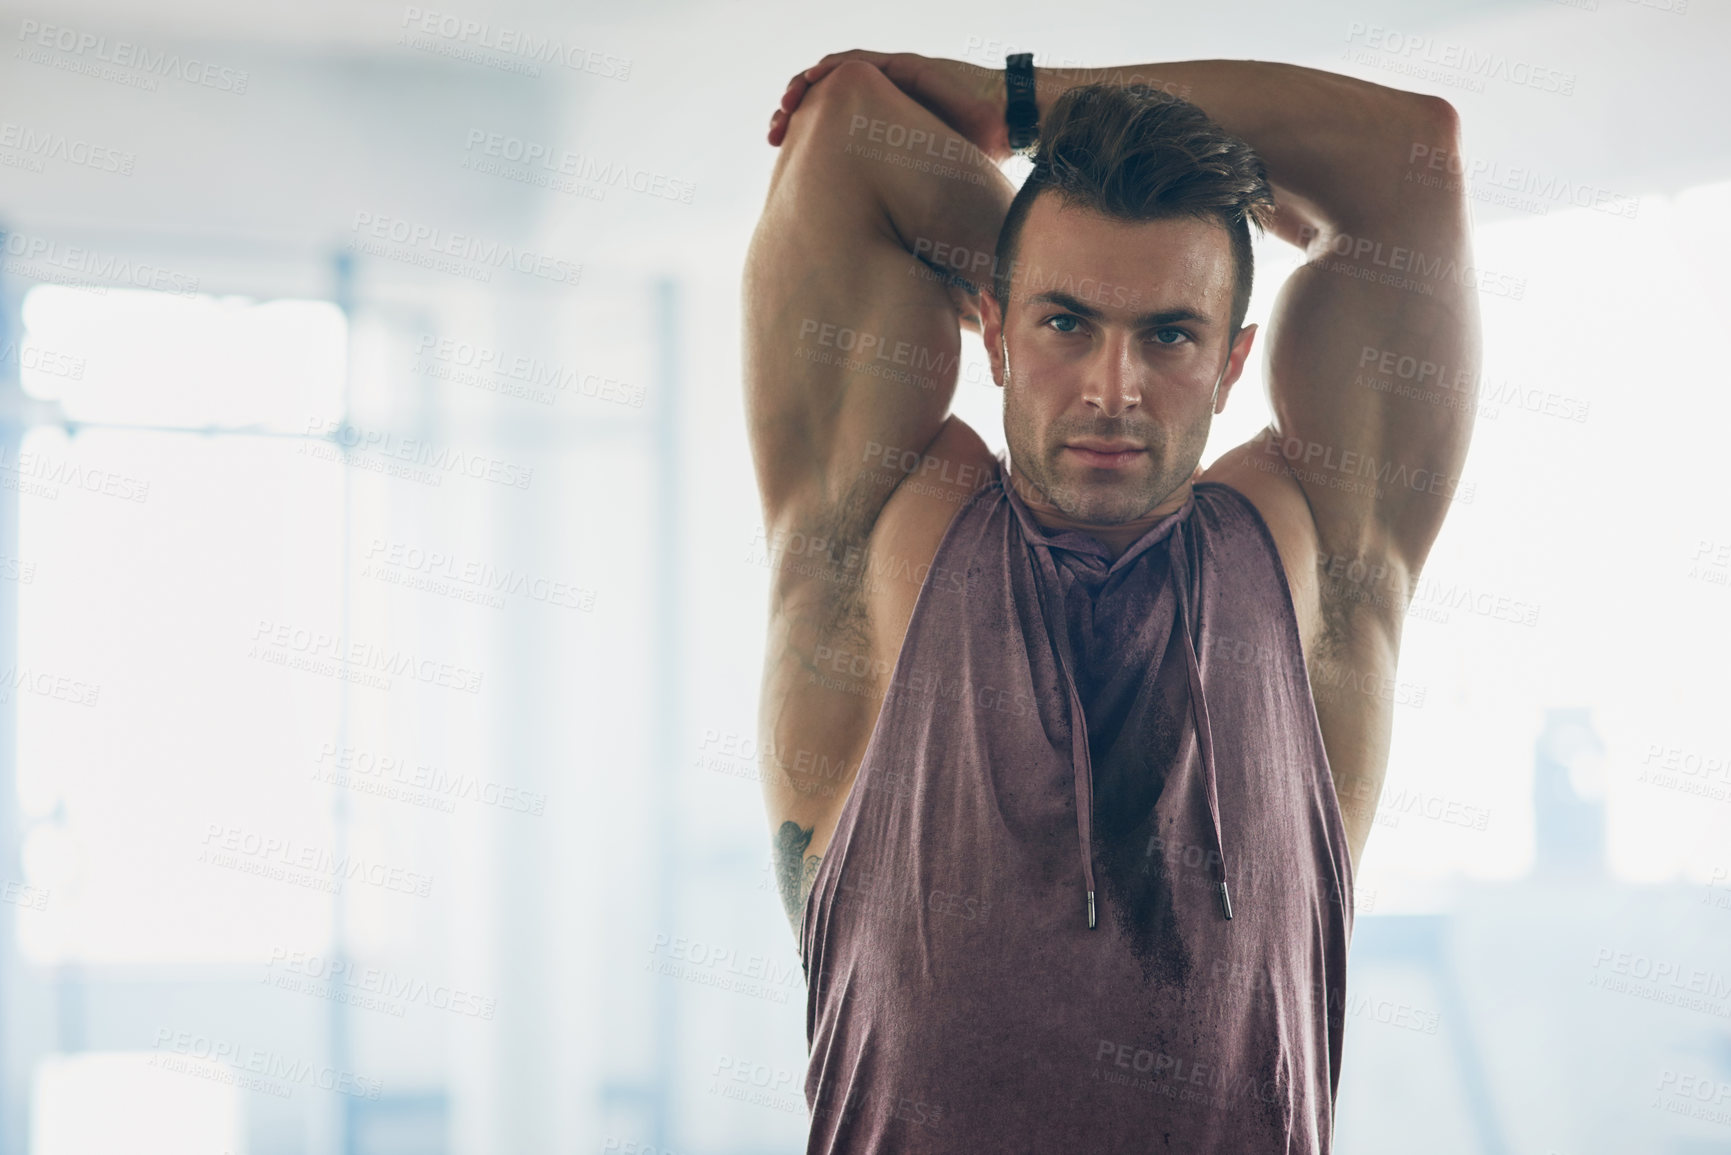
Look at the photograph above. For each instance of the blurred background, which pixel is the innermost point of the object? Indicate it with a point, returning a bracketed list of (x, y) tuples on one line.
[(383, 581)]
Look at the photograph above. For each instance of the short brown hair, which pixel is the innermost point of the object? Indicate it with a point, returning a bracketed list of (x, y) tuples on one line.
[(1134, 153)]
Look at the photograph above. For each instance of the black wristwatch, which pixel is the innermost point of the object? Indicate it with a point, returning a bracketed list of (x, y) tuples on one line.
[(1021, 114)]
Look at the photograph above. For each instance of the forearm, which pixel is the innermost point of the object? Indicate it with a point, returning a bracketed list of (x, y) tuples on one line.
[(1335, 147)]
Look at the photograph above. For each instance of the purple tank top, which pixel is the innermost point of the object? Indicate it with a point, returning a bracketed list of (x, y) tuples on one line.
[(1128, 935)]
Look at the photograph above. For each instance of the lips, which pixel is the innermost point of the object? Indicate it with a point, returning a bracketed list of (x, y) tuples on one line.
[(1117, 454), (1107, 446)]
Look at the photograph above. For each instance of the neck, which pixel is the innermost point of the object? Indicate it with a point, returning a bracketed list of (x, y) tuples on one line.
[(1117, 536)]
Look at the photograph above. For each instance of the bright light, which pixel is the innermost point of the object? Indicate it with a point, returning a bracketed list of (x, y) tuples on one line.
[(142, 358), (142, 1103)]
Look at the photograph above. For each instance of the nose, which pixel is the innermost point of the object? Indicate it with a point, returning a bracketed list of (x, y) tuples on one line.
[(1113, 382)]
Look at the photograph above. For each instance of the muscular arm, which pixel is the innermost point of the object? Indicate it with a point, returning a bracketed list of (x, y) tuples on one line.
[(852, 345)]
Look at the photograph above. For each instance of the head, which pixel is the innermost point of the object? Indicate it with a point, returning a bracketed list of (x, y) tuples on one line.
[(1116, 312)]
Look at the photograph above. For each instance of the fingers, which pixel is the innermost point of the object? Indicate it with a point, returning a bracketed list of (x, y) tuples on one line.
[(796, 89), (801, 83)]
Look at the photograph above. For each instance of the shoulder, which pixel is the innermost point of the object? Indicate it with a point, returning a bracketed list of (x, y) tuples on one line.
[(1341, 590), (945, 478), (1273, 497)]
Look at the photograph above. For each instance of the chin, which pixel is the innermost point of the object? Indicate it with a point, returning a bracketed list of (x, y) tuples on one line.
[(1103, 502)]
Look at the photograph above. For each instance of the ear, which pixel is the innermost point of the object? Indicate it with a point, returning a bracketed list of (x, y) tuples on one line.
[(1235, 362), (992, 333)]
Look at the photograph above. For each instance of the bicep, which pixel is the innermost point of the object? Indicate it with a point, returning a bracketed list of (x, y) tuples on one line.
[(852, 342), (1373, 363), (850, 366)]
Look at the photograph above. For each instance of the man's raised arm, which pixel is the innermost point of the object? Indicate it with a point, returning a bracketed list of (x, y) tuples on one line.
[(852, 346)]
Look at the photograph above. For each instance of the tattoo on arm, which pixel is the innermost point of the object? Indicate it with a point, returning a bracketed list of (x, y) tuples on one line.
[(794, 869)]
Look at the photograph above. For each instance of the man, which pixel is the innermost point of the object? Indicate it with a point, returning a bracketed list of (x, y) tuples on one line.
[(1072, 754)]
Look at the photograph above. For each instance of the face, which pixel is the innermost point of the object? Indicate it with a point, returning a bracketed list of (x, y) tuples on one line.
[(1116, 332)]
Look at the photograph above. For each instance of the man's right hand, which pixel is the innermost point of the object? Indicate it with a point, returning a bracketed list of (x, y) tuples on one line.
[(967, 97)]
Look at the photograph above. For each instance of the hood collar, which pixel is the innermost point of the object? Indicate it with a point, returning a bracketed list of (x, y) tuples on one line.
[(1091, 561)]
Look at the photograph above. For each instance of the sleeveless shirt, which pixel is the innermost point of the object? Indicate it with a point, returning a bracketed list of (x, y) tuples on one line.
[(1090, 889)]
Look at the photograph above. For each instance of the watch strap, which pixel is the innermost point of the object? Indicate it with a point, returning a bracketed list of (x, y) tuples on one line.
[(1021, 113)]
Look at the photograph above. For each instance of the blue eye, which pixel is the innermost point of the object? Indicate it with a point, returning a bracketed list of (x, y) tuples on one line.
[(1074, 320)]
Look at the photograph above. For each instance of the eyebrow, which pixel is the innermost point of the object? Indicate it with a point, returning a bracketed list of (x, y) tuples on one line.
[(1066, 301)]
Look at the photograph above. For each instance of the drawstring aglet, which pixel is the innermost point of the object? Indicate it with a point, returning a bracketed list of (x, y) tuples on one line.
[(1090, 910), (1225, 899)]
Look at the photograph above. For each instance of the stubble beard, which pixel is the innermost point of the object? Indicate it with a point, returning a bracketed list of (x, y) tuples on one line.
[(1083, 493)]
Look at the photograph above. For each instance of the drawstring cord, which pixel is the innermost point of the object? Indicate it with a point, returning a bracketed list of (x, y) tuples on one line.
[(1199, 708), (1057, 626)]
